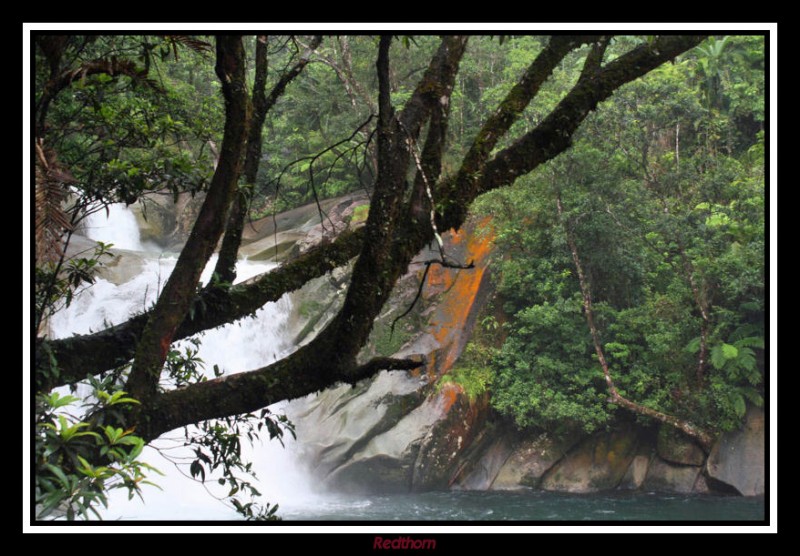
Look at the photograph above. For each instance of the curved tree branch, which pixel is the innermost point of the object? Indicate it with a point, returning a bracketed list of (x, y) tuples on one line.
[(692, 430), (295, 376), (176, 298), (554, 134), (91, 354)]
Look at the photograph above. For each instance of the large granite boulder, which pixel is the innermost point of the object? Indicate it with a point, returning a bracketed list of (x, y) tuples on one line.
[(530, 459), (737, 458), (665, 477), (480, 468), (598, 463), (386, 463)]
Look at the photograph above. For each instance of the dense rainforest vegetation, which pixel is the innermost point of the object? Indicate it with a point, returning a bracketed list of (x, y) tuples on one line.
[(624, 176)]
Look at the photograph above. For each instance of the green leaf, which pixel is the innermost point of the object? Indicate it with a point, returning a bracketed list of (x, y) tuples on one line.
[(729, 351), (739, 406), (65, 482), (751, 341), (196, 469), (753, 396), (718, 359), (55, 401), (693, 346), (118, 398)]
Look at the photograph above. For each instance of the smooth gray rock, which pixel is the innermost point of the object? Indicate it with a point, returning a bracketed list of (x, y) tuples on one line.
[(636, 473), (530, 460), (596, 464), (737, 458), (485, 470), (665, 477)]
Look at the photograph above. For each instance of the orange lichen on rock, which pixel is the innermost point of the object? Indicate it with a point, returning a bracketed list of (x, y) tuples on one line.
[(450, 393), (459, 288)]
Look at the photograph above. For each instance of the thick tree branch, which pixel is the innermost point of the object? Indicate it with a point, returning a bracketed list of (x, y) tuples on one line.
[(295, 376), (514, 103), (554, 134), (178, 294), (385, 256), (595, 57), (437, 81), (262, 104), (92, 354), (280, 87)]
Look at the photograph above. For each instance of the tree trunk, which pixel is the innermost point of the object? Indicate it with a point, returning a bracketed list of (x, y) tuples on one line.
[(228, 253), (179, 291)]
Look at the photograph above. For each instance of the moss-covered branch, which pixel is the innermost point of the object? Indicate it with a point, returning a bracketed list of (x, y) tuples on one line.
[(91, 354), (297, 375), (554, 135)]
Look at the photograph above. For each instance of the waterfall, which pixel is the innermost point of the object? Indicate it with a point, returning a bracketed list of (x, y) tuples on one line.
[(117, 226), (248, 344)]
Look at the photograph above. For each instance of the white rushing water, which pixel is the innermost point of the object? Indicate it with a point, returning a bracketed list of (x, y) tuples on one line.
[(118, 226), (248, 344)]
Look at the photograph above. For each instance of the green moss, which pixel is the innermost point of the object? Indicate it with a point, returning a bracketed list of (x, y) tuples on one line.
[(360, 214), (385, 342), (309, 308)]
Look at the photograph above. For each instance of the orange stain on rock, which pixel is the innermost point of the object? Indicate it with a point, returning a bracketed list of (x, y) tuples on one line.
[(450, 393), (459, 288)]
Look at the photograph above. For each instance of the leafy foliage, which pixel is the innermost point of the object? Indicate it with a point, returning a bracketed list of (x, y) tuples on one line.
[(217, 447), (68, 484), (58, 282), (664, 193)]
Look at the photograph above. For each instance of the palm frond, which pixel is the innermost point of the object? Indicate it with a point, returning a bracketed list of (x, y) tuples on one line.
[(201, 47), (50, 194)]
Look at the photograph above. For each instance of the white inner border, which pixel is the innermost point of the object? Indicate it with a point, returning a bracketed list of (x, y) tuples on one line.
[(772, 120)]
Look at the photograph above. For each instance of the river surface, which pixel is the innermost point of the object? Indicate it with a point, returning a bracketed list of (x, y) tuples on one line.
[(489, 507), (533, 506)]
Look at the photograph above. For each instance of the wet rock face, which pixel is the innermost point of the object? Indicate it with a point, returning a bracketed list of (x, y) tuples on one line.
[(166, 221), (596, 464), (398, 432), (675, 447), (436, 465), (636, 473), (737, 459), (665, 477), (337, 424), (530, 459), (385, 463), (480, 474), (295, 231)]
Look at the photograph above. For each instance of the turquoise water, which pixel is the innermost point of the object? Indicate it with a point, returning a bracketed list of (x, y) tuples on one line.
[(531, 506)]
